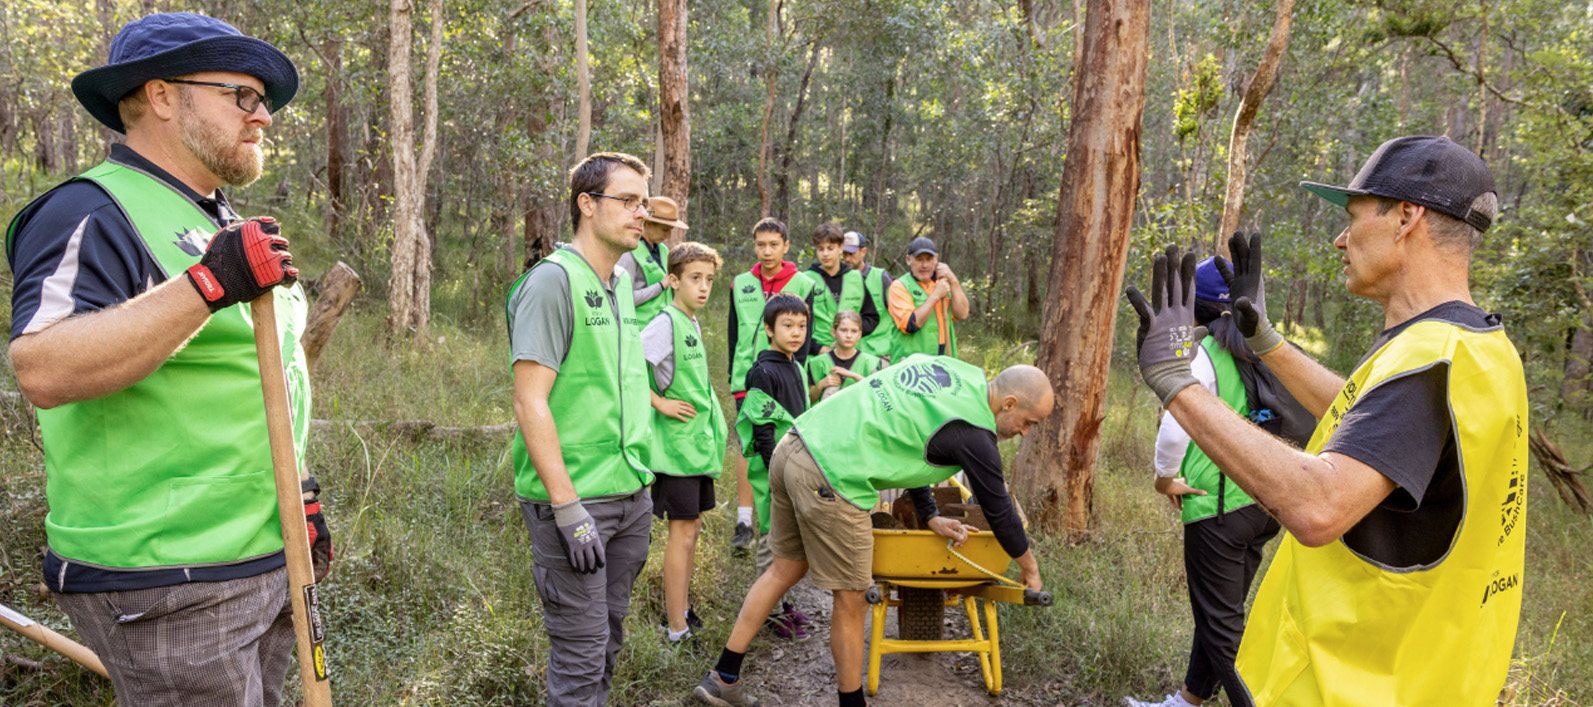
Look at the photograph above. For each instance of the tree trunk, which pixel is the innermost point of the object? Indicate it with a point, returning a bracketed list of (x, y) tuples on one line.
[(771, 73), (1095, 209), (409, 290), (332, 298), (674, 108), (1244, 121), (583, 78), (782, 181), (883, 201), (336, 139), (542, 210)]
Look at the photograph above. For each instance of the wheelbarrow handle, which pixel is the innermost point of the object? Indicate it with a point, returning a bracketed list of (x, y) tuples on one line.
[(1036, 598)]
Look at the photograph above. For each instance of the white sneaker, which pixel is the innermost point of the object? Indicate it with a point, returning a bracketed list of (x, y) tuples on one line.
[(1174, 700)]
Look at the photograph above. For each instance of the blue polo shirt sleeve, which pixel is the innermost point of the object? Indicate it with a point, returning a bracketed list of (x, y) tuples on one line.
[(74, 252)]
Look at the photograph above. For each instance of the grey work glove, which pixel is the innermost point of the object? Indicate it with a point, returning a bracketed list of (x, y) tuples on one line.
[(579, 533), (1167, 332), (1248, 289)]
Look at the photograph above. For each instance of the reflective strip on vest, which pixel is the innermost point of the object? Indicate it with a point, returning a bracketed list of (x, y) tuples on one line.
[(1330, 627), (695, 447), (600, 400), (871, 437), (174, 470)]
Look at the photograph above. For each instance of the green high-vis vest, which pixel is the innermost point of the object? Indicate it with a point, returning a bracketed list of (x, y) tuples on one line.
[(653, 274), (760, 409), (696, 447), (174, 470), (864, 365), (927, 339), (1199, 471), (826, 303), (872, 436), (600, 399), (882, 340), (747, 300)]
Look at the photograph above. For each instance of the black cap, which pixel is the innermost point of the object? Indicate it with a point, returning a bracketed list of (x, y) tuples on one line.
[(1428, 170), (921, 245)]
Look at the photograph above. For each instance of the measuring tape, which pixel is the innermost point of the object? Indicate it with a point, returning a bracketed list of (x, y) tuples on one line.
[(953, 550)]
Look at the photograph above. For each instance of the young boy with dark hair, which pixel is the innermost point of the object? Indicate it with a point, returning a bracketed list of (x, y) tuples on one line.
[(777, 393), (843, 285), (688, 443), (771, 275)]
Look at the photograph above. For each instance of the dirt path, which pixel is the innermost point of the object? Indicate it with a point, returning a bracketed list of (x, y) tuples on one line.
[(804, 674)]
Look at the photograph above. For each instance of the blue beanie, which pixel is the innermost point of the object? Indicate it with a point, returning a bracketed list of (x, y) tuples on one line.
[(1208, 282)]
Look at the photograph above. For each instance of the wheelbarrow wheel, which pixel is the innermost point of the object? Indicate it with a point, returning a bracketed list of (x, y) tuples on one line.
[(921, 617)]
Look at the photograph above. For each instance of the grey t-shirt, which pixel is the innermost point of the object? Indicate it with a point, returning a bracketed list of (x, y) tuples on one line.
[(544, 315), (658, 347)]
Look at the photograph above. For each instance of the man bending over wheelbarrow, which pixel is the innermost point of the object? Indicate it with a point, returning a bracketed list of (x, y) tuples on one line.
[(908, 426)]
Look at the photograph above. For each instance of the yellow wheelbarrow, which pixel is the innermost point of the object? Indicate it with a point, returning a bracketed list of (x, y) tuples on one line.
[(917, 572)]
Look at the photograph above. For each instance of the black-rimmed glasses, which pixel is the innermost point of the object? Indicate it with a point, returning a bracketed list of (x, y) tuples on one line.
[(631, 203), (248, 99)]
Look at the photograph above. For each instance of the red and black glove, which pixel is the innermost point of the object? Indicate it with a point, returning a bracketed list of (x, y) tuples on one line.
[(243, 261), (320, 534)]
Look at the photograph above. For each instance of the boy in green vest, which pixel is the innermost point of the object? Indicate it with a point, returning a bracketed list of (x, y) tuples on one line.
[(880, 336), (925, 302), (688, 445), (771, 275), (777, 393), (648, 263), (836, 285), (843, 365), (581, 401)]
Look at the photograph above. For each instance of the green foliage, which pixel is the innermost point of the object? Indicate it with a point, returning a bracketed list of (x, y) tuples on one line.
[(1197, 103)]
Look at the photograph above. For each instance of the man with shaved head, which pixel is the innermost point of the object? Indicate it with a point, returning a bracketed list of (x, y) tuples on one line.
[(909, 426)]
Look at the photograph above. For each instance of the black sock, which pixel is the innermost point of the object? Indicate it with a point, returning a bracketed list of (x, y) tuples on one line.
[(853, 699), (729, 667)]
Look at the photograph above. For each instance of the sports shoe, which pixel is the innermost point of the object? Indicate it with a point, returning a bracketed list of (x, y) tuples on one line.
[(715, 692), (743, 540), (687, 642), (1173, 700), (794, 616), (786, 629), (692, 621)]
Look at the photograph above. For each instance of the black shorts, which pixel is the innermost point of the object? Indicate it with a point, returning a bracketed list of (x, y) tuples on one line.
[(682, 497)]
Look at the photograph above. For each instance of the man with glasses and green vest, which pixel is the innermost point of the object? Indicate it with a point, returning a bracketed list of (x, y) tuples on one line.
[(879, 335), (925, 302), (583, 404), (131, 333), (648, 264), (1399, 581), (907, 427)]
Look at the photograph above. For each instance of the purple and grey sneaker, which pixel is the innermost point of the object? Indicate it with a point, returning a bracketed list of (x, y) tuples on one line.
[(791, 614), (783, 627)]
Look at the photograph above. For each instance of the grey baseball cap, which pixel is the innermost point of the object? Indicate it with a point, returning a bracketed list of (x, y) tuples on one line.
[(921, 245)]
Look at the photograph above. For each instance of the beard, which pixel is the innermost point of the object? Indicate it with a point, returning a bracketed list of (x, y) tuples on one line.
[(235, 162)]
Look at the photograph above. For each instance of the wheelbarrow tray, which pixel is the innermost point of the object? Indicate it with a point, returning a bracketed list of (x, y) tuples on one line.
[(921, 555)]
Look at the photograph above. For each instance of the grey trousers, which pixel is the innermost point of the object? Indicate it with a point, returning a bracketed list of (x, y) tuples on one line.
[(221, 644), (585, 613)]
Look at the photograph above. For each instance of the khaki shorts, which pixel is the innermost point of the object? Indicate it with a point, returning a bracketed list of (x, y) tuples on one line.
[(810, 522)]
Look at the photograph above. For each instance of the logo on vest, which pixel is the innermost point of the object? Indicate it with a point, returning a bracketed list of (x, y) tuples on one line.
[(192, 242), (595, 300), (691, 341), (749, 289), (1515, 496), (1499, 585), (924, 380), (768, 410)]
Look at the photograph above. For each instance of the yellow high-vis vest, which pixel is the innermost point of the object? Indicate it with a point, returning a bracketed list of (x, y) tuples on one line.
[(1330, 627)]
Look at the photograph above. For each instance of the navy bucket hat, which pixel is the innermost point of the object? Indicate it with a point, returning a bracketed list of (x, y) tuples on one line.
[(173, 44)]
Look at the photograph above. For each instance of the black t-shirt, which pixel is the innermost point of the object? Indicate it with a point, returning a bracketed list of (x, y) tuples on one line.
[(780, 378), (1404, 430), (963, 445)]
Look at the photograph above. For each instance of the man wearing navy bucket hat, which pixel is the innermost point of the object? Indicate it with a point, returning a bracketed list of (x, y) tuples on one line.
[(131, 334)]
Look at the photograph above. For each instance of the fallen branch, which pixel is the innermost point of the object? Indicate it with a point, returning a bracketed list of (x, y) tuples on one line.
[(419, 429), (1560, 473)]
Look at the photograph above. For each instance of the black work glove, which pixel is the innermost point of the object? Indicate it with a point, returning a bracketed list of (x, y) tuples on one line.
[(578, 532), (243, 261), (1248, 290), (1167, 333)]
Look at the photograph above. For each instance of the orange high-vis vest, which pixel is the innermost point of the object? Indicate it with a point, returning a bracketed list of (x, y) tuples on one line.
[(1330, 627)]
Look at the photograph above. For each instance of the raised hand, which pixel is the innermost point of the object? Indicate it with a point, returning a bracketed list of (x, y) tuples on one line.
[(1167, 334), (1247, 287)]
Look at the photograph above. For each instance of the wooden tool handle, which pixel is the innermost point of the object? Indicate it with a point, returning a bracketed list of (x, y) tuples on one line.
[(307, 627), (42, 635)]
